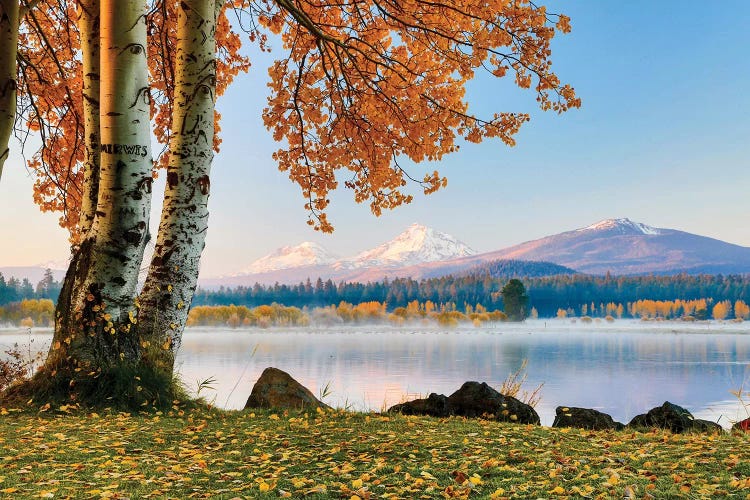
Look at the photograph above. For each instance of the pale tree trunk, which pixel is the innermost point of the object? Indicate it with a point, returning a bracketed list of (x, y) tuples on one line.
[(88, 25), (71, 293), (173, 272), (9, 18), (95, 327)]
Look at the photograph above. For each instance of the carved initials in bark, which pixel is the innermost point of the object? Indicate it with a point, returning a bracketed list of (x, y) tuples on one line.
[(128, 149)]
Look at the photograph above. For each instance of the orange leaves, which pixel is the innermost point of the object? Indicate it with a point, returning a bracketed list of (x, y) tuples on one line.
[(363, 85), (366, 85), (563, 24)]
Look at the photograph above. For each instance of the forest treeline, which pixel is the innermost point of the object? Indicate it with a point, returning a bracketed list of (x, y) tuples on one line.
[(577, 295), (571, 293), (40, 312), (15, 290)]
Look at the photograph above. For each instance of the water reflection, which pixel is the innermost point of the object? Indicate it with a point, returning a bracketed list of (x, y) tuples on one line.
[(622, 369)]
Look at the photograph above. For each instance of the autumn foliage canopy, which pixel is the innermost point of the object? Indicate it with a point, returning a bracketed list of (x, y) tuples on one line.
[(362, 85)]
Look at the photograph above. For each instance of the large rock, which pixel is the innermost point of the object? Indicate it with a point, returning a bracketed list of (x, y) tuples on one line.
[(476, 399), (436, 405), (473, 399), (277, 389), (584, 418), (674, 418)]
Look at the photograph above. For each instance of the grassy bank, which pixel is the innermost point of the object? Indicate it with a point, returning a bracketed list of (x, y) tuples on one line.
[(208, 453)]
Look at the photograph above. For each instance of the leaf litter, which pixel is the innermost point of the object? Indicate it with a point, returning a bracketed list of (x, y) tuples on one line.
[(208, 453)]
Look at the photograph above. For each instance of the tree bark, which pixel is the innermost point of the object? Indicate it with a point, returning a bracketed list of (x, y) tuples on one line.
[(96, 310), (173, 273), (9, 19), (88, 25)]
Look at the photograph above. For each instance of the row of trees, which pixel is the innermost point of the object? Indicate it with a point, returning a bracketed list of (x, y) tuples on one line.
[(580, 294), (14, 290), (359, 86), (28, 313), (343, 313), (40, 312), (699, 309)]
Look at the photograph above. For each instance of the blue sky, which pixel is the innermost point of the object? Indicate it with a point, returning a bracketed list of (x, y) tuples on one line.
[(662, 138)]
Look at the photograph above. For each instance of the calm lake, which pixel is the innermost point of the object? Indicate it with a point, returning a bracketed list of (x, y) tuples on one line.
[(623, 368)]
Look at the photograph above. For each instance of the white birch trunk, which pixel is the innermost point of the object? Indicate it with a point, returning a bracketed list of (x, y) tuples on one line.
[(173, 272), (72, 295), (96, 309), (9, 19), (88, 25)]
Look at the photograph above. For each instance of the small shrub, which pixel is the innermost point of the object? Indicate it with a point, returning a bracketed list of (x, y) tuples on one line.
[(396, 319), (513, 383), (27, 322), (497, 316), (233, 321), (13, 369)]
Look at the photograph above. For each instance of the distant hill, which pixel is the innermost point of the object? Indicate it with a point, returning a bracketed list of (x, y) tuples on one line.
[(625, 247), (516, 268)]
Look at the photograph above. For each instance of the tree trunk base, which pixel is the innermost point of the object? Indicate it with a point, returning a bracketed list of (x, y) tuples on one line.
[(121, 386)]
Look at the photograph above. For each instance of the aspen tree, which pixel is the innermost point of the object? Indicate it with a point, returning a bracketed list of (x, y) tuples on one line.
[(9, 19), (173, 273), (96, 308), (88, 25)]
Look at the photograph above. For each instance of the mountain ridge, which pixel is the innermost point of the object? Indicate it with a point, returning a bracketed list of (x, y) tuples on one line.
[(619, 246), (624, 247)]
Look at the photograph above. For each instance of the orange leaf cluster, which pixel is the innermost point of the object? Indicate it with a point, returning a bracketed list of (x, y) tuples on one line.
[(367, 83), (363, 86)]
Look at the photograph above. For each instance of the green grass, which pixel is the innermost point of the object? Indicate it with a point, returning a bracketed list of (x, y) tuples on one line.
[(202, 452)]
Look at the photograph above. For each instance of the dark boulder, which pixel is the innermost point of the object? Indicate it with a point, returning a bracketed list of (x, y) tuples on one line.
[(277, 389), (584, 418), (436, 405), (473, 399), (476, 399), (674, 418)]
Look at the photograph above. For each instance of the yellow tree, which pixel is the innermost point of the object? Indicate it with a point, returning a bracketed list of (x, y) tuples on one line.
[(741, 310), (721, 310)]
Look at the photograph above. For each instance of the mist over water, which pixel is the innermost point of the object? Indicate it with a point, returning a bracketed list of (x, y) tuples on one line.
[(623, 368)]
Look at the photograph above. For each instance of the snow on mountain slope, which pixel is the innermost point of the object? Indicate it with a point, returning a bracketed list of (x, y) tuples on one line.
[(302, 255), (622, 247), (622, 226), (418, 244)]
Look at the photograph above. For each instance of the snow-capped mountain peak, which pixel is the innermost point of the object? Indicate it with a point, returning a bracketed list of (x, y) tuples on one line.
[(624, 226), (304, 254), (417, 245)]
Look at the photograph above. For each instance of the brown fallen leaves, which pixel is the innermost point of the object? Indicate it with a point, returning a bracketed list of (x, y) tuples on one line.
[(208, 453)]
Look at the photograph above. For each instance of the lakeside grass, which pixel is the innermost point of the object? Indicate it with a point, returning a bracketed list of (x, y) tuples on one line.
[(203, 452)]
